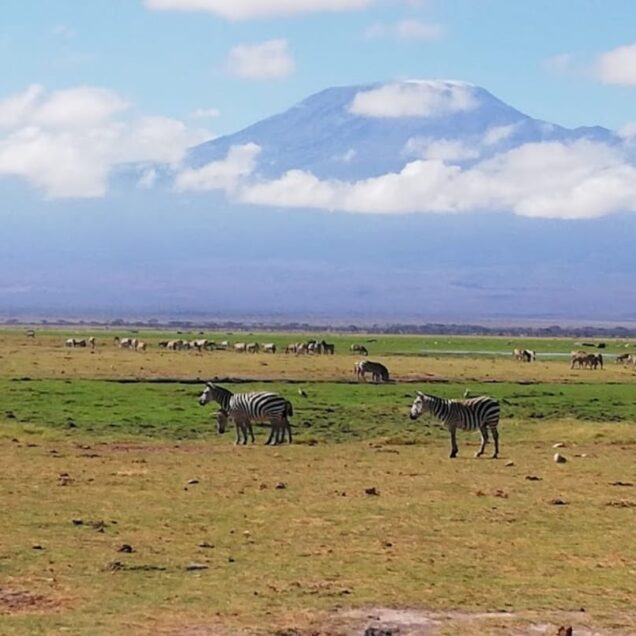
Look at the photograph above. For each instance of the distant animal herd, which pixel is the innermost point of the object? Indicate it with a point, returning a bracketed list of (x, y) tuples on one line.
[(471, 413)]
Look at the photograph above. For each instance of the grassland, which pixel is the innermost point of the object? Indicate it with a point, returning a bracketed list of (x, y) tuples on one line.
[(110, 448)]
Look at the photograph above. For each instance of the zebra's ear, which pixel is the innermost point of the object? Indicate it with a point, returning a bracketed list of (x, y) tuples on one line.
[(209, 384), (420, 394)]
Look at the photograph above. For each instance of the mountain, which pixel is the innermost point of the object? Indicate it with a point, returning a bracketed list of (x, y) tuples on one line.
[(323, 134), (163, 251)]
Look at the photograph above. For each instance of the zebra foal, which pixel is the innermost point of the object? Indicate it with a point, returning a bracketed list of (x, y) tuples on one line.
[(245, 408), (379, 373), (475, 413)]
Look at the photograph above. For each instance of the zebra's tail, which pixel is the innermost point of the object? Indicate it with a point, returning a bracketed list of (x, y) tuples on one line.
[(289, 410)]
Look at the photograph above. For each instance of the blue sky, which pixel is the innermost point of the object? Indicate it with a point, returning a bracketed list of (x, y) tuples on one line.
[(172, 62)]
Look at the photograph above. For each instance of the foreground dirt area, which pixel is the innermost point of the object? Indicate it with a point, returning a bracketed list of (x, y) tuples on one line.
[(378, 621)]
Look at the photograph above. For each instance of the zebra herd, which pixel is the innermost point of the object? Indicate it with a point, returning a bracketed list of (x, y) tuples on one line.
[(479, 413)]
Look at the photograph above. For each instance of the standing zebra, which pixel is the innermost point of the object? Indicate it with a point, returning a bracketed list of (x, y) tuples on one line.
[(475, 413), (245, 408), (379, 373)]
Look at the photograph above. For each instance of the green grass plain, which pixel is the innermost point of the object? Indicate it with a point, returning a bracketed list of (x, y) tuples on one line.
[(114, 440)]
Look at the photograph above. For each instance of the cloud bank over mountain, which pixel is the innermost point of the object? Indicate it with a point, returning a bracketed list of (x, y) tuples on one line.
[(394, 148)]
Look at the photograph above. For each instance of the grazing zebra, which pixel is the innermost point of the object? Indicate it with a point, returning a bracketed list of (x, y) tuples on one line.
[(199, 345), (623, 358), (358, 348), (524, 355), (475, 413), (252, 347), (124, 343), (379, 373), (584, 359), (75, 342), (269, 347), (240, 347), (245, 408), (328, 348)]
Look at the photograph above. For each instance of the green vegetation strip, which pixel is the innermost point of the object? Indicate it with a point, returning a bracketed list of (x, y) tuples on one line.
[(330, 412)]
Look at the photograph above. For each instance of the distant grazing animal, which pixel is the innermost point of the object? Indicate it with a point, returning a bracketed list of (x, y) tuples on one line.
[(75, 342), (269, 347), (623, 358), (140, 345), (245, 408), (30, 333), (240, 347), (328, 348), (199, 345), (379, 373), (358, 348), (91, 342), (123, 343), (582, 359), (474, 413), (252, 347), (524, 355)]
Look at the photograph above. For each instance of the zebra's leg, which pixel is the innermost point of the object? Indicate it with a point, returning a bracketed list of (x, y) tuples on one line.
[(484, 440), (495, 439), (237, 424), (283, 427), (272, 435), (251, 431), (454, 449)]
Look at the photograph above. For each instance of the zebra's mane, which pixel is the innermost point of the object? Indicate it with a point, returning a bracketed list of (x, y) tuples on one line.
[(219, 390)]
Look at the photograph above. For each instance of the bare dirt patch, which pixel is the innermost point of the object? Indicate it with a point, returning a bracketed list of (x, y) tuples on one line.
[(14, 601), (377, 621)]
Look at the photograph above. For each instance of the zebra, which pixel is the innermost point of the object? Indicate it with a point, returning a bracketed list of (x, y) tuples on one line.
[(624, 358), (75, 342), (358, 348), (524, 355), (379, 373), (269, 347), (245, 408), (479, 412), (328, 348)]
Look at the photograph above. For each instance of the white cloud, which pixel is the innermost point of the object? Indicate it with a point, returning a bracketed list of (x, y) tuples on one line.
[(560, 63), (147, 179), (628, 132), (248, 9), (618, 66), (66, 142), (78, 107), (264, 61), (496, 134), (225, 174), (448, 150), (408, 29), (206, 113), (414, 99), (552, 180)]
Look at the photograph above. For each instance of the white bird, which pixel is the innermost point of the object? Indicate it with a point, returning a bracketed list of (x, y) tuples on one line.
[(302, 393)]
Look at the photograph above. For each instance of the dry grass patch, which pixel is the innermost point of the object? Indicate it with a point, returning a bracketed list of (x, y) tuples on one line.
[(427, 539)]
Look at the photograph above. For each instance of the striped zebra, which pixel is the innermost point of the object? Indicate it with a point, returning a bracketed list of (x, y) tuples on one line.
[(245, 408), (379, 373), (475, 413)]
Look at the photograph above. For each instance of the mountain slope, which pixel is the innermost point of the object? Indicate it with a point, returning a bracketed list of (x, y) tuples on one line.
[(330, 135)]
